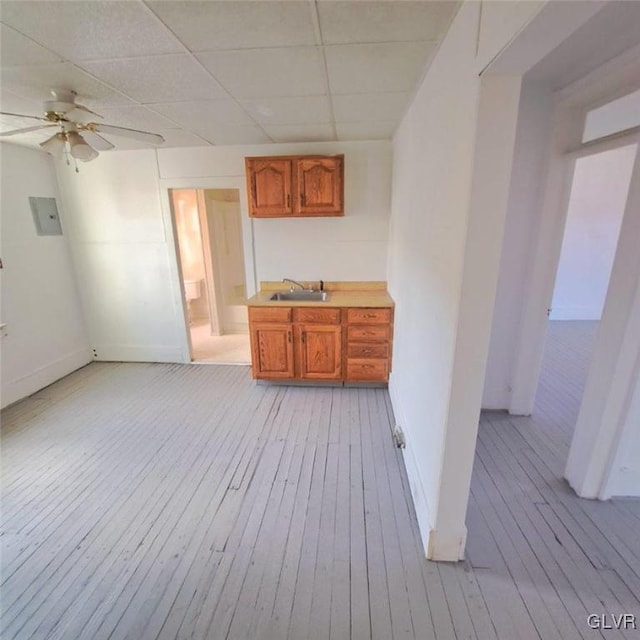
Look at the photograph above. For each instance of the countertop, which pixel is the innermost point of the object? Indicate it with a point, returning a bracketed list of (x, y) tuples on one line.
[(341, 294)]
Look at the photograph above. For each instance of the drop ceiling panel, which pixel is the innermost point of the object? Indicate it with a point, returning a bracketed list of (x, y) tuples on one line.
[(200, 114), (135, 118), (34, 83), (300, 132), (158, 78), (366, 130), (255, 73), (369, 107), (16, 49), (233, 134), (211, 26), (297, 110), (91, 30), (15, 104), (172, 138), (372, 68), (348, 22), (222, 72)]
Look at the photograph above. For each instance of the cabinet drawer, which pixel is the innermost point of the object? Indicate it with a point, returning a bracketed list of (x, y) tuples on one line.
[(371, 350), (313, 314), (368, 316), (373, 333), (367, 369), (270, 314)]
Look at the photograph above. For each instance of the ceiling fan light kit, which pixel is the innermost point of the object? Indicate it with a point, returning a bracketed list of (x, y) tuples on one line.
[(69, 139)]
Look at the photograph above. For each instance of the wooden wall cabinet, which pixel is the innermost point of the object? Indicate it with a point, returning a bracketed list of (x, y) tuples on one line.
[(329, 344), (296, 186)]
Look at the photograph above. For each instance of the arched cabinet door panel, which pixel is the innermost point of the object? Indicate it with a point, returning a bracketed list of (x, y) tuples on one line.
[(269, 186), (320, 186)]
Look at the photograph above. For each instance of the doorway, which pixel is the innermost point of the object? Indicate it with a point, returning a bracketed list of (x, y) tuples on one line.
[(595, 211), (211, 255)]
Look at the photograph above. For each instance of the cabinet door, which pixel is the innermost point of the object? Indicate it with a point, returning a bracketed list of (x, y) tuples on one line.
[(272, 350), (319, 351), (269, 186), (320, 186)]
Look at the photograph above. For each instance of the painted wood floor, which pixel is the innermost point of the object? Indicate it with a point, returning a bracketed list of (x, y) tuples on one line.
[(167, 501)]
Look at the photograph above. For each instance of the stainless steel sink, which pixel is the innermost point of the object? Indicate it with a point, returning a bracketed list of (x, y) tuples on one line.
[(301, 296)]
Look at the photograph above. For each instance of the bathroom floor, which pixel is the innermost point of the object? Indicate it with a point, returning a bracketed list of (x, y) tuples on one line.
[(227, 349)]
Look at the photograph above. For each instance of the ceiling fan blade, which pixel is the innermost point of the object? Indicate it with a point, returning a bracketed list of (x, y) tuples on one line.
[(81, 107), (96, 141), (27, 129), (22, 115), (143, 136)]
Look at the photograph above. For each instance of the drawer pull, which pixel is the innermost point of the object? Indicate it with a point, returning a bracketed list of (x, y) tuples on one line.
[(289, 335), (303, 337)]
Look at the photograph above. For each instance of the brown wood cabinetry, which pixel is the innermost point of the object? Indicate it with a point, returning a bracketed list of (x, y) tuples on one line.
[(368, 345), (321, 343), (295, 186)]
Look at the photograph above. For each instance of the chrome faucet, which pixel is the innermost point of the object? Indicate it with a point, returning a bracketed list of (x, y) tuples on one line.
[(294, 283)]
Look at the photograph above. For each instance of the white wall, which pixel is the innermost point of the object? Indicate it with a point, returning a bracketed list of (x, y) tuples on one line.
[(596, 206), (45, 335), (530, 154), (122, 237), (431, 199), (353, 247), (122, 253), (624, 476)]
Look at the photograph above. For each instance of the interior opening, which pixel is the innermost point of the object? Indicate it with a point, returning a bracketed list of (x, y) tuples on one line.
[(209, 235), (613, 117), (595, 211)]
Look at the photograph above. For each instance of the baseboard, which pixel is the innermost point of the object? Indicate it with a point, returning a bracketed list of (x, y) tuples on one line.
[(43, 376), (420, 503), (130, 353)]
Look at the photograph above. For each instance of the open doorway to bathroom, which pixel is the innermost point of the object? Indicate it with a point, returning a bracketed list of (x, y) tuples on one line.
[(210, 249)]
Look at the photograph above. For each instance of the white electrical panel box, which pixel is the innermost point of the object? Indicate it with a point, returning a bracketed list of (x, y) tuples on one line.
[(45, 216)]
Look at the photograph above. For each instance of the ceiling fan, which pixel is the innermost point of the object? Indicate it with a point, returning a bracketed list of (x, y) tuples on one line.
[(82, 140)]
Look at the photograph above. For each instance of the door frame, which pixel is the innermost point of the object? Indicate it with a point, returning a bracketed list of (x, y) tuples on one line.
[(165, 185), (566, 148)]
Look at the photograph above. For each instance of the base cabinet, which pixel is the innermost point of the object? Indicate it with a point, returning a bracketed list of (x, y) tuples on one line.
[(325, 344), (319, 351), (272, 352)]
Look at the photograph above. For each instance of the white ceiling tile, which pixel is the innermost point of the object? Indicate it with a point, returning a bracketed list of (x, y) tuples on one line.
[(212, 26), (89, 30), (158, 78), (16, 49), (35, 82), (296, 110), (369, 106), (236, 134), (263, 73), (15, 104), (199, 114), (366, 130), (300, 132), (372, 68), (135, 118), (172, 138), (345, 22), (179, 138)]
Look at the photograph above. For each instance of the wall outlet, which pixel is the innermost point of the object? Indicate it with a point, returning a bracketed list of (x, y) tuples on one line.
[(398, 436)]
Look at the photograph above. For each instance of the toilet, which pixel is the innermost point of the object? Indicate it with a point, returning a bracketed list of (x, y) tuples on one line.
[(192, 291)]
